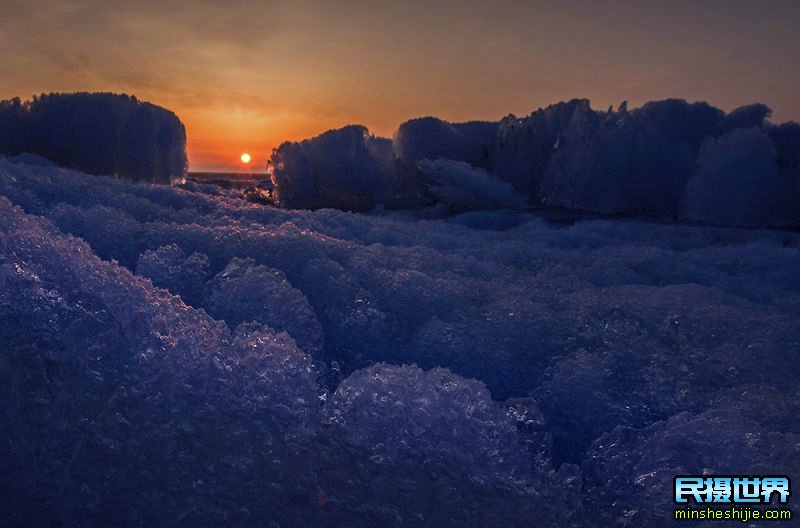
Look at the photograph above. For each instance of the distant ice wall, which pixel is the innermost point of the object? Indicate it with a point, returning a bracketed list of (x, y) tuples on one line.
[(657, 160), (738, 182), (431, 138), (98, 133), (346, 168), (633, 162)]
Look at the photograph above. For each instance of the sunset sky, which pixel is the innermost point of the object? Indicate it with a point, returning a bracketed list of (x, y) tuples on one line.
[(245, 76)]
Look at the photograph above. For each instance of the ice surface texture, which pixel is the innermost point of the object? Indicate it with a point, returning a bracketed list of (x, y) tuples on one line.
[(98, 133), (669, 159), (566, 368)]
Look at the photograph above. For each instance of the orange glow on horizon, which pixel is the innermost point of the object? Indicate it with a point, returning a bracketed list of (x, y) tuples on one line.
[(214, 133)]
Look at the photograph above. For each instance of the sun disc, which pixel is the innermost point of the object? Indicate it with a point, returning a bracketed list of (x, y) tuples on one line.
[(246, 158)]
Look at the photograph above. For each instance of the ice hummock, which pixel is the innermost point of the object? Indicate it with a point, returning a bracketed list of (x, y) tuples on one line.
[(669, 159)]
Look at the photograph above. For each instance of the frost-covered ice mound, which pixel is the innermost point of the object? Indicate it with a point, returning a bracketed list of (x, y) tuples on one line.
[(668, 159), (197, 360)]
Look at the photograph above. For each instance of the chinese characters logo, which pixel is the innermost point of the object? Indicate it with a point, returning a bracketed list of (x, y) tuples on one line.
[(739, 489)]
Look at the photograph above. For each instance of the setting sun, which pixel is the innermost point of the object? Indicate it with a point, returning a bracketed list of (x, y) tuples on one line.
[(246, 158)]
